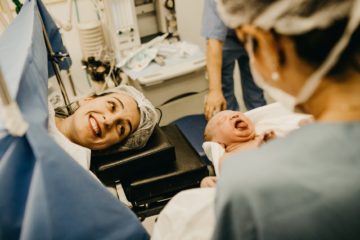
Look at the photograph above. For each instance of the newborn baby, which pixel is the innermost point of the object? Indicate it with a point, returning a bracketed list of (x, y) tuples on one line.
[(234, 132)]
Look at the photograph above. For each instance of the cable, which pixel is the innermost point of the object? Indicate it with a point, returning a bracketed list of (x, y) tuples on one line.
[(160, 113)]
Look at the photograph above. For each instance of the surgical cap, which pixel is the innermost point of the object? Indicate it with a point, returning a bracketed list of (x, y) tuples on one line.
[(290, 17), (148, 118), (296, 17)]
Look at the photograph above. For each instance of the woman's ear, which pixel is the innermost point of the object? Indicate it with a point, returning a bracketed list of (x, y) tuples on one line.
[(264, 49)]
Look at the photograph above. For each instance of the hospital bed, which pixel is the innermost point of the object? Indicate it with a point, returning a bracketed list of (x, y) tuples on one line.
[(151, 176)]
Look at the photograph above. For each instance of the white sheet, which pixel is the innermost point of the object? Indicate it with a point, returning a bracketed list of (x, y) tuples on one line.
[(189, 215)]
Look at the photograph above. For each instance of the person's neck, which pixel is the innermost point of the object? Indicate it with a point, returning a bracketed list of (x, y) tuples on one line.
[(62, 124), (250, 144), (336, 101), (233, 146)]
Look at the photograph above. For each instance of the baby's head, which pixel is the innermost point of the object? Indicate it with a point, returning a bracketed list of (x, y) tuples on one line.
[(228, 127)]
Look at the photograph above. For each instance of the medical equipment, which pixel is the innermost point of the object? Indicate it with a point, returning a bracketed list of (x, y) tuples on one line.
[(56, 69), (176, 84), (177, 79), (180, 82), (92, 38), (40, 199), (122, 24), (129, 22)]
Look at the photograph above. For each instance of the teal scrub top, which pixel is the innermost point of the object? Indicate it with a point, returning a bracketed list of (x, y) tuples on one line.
[(303, 186), (214, 28)]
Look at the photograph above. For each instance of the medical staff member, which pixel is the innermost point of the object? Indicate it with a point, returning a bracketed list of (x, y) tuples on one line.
[(223, 51), (305, 54)]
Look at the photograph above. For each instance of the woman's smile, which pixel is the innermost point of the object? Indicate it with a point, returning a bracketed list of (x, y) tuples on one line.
[(94, 126)]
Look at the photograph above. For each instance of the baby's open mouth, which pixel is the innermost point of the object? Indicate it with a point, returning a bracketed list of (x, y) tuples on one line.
[(240, 124)]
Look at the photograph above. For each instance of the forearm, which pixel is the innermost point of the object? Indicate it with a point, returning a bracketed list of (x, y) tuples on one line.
[(214, 63)]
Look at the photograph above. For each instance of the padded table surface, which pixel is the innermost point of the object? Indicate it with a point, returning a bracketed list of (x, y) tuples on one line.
[(186, 172)]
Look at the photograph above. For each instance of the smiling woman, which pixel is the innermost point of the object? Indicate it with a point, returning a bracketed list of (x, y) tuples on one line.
[(118, 116)]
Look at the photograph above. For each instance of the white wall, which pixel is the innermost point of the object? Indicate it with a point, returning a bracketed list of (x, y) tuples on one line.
[(189, 20)]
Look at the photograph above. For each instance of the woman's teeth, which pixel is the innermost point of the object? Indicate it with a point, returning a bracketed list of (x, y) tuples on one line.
[(94, 126)]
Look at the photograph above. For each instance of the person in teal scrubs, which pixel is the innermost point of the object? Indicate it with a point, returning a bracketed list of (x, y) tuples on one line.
[(305, 54)]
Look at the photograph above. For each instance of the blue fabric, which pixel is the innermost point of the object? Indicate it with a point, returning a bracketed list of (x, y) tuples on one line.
[(193, 128), (253, 96), (44, 193), (233, 51), (304, 186), (214, 28), (55, 39)]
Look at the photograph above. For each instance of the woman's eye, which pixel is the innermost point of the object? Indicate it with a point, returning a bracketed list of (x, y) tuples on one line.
[(112, 106), (121, 130)]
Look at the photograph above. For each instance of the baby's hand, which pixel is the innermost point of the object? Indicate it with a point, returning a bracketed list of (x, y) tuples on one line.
[(306, 121), (208, 182), (269, 135)]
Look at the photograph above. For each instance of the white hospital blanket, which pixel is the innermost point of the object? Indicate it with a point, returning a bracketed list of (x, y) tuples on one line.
[(189, 215), (270, 117), (277, 118)]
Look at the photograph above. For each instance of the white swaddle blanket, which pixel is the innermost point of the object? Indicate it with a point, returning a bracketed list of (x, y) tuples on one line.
[(270, 117)]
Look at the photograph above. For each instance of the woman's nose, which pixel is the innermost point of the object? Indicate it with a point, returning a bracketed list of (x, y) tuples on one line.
[(108, 120)]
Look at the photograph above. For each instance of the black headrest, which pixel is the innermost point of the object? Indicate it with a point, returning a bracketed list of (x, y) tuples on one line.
[(111, 166)]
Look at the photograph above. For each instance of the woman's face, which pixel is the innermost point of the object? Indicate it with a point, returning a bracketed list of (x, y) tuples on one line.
[(274, 54), (101, 122), (229, 127)]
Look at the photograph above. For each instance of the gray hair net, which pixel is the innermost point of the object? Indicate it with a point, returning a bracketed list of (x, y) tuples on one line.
[(148, 118), (295, 17), (288, 17)]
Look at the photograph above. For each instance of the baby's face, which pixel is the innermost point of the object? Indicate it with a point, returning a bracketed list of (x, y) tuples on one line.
[(229, 127)]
